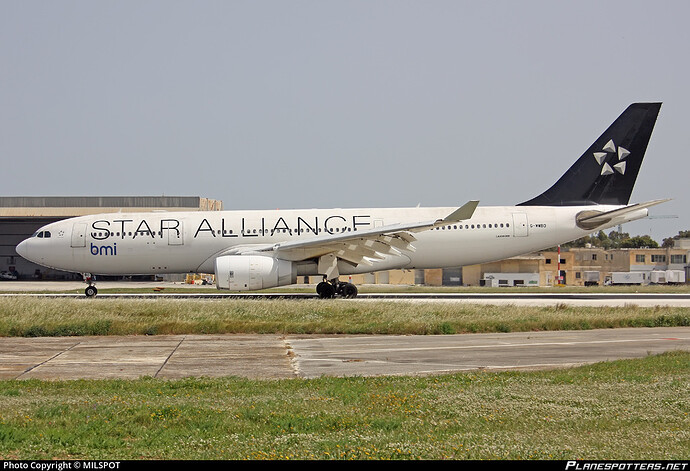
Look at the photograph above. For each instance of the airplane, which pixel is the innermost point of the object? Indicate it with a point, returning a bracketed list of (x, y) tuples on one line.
[(254, 250)]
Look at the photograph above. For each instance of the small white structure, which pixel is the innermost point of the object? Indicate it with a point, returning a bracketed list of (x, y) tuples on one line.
[(510, 279), (675, 276), (628, 277)]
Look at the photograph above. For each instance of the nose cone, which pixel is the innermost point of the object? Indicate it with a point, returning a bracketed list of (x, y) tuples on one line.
[(23, 249)]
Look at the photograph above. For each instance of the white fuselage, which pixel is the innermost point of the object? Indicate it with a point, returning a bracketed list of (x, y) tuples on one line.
[(189, 242)]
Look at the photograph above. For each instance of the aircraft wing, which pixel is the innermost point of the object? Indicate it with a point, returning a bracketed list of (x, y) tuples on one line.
[(358, 247)]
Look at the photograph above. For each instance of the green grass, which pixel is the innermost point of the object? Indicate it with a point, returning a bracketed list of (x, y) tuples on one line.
[(632, 410), (26, 316)]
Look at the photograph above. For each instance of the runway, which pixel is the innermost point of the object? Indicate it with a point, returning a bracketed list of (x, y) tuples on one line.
[(153, 290), (514, 299), (307, 356)]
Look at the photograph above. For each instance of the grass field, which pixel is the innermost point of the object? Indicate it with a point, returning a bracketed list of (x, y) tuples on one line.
[(22, 316), (632, 410)]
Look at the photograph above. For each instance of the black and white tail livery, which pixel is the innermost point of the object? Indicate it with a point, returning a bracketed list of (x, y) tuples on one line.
[(253, 250), (606, 172)]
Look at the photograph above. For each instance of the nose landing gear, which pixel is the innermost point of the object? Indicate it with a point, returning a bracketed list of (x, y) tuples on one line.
[(90, 280)]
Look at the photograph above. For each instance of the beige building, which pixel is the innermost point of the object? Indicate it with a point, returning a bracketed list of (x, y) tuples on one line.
[(526, 264), (593, 265)]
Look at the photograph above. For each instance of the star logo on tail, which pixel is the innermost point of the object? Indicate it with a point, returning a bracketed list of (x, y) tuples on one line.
[(619, 154)]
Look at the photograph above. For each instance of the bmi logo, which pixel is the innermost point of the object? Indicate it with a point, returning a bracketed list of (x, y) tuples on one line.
[(103, 249), (619, 154)]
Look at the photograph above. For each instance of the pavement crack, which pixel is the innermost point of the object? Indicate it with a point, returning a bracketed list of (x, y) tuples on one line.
[(46, 361), (170, 356)]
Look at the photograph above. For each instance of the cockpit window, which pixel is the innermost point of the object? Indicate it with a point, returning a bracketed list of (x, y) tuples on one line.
[(42, 234)]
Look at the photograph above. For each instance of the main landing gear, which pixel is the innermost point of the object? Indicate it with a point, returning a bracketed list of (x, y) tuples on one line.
[(90, 280), (333, 288)]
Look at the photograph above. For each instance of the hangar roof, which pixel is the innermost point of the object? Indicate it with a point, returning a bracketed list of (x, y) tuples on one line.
[(70, 206)]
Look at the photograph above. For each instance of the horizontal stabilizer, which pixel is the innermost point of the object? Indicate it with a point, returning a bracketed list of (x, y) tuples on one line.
[(593, 219)]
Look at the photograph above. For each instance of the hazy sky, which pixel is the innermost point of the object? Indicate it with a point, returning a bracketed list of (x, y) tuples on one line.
[(290, 104)]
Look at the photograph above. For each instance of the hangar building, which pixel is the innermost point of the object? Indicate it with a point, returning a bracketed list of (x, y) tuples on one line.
[(21, 216)]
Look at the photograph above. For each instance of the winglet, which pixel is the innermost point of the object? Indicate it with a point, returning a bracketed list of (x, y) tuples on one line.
[(461, 214)]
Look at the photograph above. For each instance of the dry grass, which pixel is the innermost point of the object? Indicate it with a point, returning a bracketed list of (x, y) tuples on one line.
[(21, 316)]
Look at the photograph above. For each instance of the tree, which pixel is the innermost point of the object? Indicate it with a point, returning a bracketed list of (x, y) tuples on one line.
[(639, 242), (603, 240), (617, 239), (669, 241), (614, 240)]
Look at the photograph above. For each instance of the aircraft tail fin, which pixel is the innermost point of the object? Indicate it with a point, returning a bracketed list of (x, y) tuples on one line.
[(606, 172)]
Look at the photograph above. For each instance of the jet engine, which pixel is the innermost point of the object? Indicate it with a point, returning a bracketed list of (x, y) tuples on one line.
[(253, 272)]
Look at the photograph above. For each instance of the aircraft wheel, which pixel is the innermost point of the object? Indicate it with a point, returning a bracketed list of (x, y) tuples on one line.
[(90, 291), (325, 290), (349, 290)]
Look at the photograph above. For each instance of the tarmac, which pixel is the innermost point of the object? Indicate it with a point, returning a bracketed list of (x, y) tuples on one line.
[(524, 297), (281, 357)]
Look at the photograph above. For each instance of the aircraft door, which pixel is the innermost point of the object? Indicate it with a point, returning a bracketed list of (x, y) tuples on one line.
[(520, 227), (79, 234), (175, 234)]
